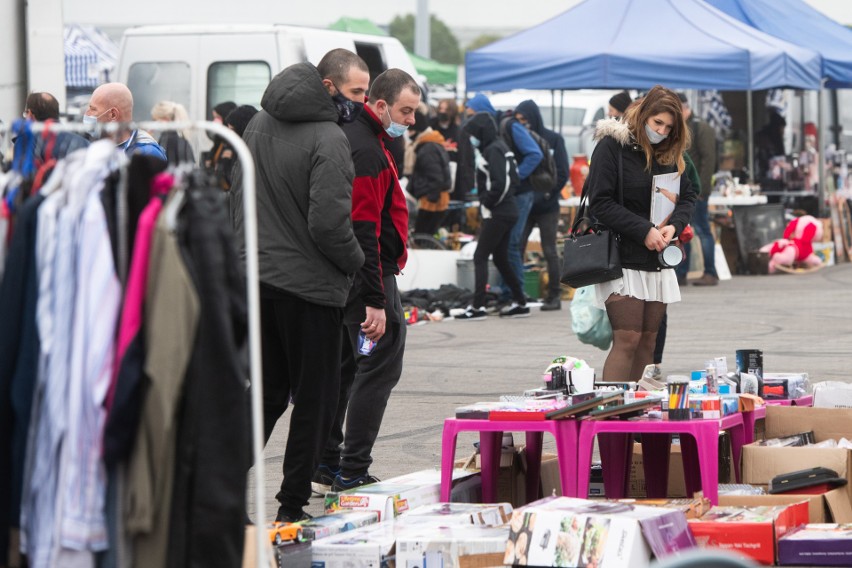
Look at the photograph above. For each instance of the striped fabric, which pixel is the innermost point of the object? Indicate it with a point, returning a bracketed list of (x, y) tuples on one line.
[(715, 113), (90, 56)]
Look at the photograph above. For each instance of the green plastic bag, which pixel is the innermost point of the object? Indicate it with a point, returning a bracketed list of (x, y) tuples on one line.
[(589, 322)]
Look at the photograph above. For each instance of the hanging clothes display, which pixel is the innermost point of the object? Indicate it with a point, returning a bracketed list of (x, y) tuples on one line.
[(124, 410)]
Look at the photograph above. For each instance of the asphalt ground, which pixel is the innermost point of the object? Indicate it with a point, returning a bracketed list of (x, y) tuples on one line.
[(800, 322)]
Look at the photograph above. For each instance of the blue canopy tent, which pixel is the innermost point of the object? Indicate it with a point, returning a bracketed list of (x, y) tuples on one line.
[(606, 44), (796, 22), (90, 57)]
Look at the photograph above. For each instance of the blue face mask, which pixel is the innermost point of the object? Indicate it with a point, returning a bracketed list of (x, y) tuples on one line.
[(653, 137), (395, 130), (474, 141)]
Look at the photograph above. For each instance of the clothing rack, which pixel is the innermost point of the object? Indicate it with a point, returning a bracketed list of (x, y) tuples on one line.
[(252, 283)]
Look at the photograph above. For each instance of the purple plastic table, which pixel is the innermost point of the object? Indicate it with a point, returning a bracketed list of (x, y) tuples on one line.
[(699, 440), (490, 438)]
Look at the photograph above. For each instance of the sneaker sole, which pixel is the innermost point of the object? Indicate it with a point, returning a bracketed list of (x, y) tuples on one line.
[(515, 316), (471, 319), (320, 489)]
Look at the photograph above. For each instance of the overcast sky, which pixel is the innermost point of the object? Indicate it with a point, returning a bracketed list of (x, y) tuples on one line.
[(500, 14)]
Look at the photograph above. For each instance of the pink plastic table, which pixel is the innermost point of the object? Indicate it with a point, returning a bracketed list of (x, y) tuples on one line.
[(490, 437), (699, 440), (749, 418)]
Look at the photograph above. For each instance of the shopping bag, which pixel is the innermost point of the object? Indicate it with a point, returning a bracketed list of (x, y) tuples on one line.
[(589, 322)]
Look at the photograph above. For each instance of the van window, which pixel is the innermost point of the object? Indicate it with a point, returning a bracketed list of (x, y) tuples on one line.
[(151, 83), (373, 57), (242, 82)]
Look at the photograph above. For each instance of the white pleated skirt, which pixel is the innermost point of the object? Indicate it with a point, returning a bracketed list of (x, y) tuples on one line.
[(657, 286)]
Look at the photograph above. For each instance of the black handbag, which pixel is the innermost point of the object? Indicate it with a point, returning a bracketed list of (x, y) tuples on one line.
[(591, 254)]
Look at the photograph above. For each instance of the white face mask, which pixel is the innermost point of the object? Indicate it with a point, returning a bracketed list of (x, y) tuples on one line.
[(92, 121), (653, 136)]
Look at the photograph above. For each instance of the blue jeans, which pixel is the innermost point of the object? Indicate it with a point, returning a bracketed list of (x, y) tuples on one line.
[(701, 226), (524, 201)]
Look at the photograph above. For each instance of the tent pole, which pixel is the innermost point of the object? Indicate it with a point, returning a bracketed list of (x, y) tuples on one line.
[(820, 147), (553, 108), (750, 118), (561, 108)]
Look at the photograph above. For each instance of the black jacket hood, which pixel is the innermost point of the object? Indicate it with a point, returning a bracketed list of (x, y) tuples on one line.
[(298, 95), (532, 114), (483, 127)]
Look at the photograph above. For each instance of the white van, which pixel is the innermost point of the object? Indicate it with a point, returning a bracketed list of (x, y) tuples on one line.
[(201, 66), (570, 113)]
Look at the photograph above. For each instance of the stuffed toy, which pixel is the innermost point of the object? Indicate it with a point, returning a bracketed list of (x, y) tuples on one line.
[(797, 245)]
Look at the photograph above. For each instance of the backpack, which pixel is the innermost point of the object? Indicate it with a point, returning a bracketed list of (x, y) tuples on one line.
[(543, 177)]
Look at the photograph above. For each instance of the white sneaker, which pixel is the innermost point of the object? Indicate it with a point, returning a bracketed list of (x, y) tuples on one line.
[(515, 310), (473, 314)]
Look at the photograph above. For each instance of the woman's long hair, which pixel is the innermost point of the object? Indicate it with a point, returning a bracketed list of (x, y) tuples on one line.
[(670, 151)]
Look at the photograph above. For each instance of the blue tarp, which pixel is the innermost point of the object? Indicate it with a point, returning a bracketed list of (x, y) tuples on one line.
[(798, 23), (606, 44)]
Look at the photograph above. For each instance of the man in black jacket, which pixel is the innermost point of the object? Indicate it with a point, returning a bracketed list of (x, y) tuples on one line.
[(374, 324), (545, 209), (308, 251)]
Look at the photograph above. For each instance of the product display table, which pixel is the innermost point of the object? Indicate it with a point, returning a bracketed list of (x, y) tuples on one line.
[(759, 412), (490, 437), (699, 441)]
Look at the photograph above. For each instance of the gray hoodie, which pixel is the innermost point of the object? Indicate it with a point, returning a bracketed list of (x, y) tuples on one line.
[(306, 245)]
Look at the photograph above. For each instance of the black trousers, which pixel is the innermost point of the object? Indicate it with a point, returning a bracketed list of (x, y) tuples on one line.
[(494, 239), (366, 383), (428, 222), (547, 226), (301, 357)]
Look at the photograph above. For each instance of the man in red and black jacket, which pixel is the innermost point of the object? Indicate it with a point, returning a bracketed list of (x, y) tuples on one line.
[(373, 309)]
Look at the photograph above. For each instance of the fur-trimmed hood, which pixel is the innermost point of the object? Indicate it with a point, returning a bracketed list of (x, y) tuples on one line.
[(615, 128)]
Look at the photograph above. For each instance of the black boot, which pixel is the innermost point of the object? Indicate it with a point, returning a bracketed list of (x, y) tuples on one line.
[(554, 303)]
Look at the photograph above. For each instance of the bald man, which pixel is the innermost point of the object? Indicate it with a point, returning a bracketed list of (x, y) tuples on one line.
[(113, 102)]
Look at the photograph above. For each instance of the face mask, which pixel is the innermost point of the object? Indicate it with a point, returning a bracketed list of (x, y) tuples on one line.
[(347, 109), (92, 122), (443, 117), (474, 141), (395, 130), (653, 137)]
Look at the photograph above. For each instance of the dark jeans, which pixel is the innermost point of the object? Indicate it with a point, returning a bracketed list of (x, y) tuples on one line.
[(547, 225), (429, 222), (366, 383), (701, 225), (661, 340), (524, 202), (301, 356), (494, 239)]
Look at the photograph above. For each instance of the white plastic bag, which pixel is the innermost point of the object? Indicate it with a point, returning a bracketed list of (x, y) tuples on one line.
[(590, 323)]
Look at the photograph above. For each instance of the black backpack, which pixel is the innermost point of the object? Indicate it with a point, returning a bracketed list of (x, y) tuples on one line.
[(543, 177)]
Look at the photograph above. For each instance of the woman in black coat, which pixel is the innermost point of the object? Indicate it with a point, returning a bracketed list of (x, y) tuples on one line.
[(651, 139)]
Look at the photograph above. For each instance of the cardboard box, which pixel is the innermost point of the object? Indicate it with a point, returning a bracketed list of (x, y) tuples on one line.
[(753, 531), (761, 464), (817, 545), (561, 531), (368, 547), (337, 522), (691, 508), (399, 494), (450, 547), (677, 482), (454, 514), (249, 550), (512, 478), (832, 394), (817, 507)]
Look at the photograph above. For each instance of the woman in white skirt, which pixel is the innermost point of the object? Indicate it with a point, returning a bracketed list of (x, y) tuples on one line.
[(649, 140)]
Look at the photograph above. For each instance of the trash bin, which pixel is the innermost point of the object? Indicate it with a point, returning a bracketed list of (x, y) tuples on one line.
[(466, 277)]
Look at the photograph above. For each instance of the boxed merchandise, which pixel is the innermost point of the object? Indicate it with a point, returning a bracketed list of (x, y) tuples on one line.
[(450, 547), (761, 463), (337, 522), (453, 514), (399, 494), (817, 507), (752, 531), (561, 531), (832, 394), (691, 508), (784, 385), (368, 547), (817, 545)]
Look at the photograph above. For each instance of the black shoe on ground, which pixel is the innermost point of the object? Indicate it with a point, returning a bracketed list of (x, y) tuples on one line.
[(515, 311), (706, 280), (345, 483), (473, 314), (291, 516), (323, 479), (552, 304)]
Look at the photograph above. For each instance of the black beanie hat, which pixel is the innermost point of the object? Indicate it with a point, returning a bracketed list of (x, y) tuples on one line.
[(239, 118), (620, 101), (225, 108)]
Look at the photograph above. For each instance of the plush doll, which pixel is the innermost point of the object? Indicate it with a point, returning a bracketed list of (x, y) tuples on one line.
[(797, 245)]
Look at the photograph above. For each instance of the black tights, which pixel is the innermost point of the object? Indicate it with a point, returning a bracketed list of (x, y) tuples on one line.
[(634, 333)]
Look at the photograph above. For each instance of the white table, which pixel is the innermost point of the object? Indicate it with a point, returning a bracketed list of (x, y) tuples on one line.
[(715, 200)]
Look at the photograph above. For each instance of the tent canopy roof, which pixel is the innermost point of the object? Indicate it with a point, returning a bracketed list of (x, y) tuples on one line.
[(604, 44), (798, 23)]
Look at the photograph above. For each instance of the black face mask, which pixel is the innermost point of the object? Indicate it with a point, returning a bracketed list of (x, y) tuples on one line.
[(443, 117), (348, 110)]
